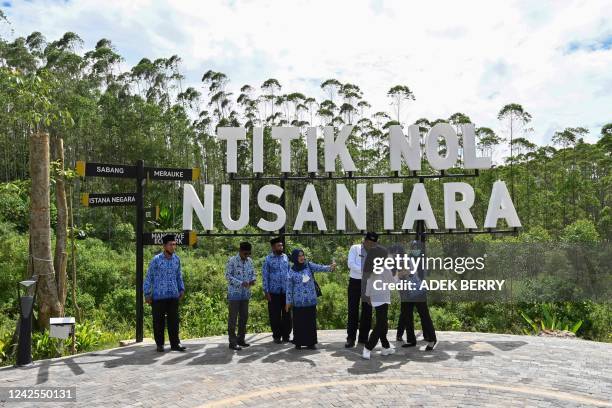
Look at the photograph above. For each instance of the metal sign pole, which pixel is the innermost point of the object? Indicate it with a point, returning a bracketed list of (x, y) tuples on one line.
[(284, 205), (140, 180)]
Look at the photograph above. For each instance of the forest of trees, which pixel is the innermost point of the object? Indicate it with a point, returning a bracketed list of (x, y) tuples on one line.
[(94, 111)]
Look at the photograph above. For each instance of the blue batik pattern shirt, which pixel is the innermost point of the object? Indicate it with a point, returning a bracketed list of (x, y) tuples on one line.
[(164, 279), (274, 273), (300, 293), (238, 271)]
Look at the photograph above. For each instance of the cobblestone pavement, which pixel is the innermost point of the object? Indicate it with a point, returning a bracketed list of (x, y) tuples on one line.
[(466, 369)]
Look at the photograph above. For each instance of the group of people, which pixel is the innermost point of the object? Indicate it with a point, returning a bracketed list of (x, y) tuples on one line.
[(291, 290)]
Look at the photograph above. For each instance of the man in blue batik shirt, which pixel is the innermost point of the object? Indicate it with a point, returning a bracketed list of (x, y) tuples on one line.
[(274, 273), (240, 276), (163, 288)]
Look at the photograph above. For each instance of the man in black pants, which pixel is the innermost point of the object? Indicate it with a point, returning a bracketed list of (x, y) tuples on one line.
[(416, 299), (163, 288), (274, 275), (355, 263)]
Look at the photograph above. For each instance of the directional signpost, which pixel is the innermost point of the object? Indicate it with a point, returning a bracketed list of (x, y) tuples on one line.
[(105, 170), (184, 238), (141, 174), (159, 173), (105, 200)]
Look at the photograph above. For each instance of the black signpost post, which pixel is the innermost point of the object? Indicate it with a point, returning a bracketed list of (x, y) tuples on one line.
[(140, 180), (141, 174)]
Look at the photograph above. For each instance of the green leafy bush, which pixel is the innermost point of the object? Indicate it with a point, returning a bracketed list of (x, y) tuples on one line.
[(44, 346), (581, 231), (549, 320), (120, 306), (88, 336)]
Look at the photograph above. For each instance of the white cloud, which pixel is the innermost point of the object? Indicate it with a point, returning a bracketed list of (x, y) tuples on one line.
[(554, 58)]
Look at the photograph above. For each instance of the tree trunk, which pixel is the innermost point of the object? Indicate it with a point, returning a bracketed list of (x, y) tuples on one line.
[(60, 260), (40, 228)]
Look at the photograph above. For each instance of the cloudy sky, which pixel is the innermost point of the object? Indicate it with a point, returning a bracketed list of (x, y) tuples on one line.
[(553, 57)]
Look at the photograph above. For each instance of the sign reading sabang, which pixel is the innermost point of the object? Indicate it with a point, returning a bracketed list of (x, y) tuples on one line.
[(405, 149)]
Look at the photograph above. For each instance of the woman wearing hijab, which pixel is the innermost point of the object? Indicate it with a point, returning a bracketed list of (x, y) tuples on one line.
[(301, 295)]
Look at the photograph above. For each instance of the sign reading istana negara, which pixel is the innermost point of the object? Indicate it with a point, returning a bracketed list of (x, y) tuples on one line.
[(403, 149)]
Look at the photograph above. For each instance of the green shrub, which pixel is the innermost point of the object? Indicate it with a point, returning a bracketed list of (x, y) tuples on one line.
[(44, 346), (87, 335), (14, 204), (202, 315), (120, 306), (122, 233), (444, 319), (6, 345), (581, 231)]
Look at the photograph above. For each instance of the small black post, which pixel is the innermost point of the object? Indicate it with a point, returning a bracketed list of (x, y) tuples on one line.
[(26, 306), (140, 180), (283, 204), (420, 228)]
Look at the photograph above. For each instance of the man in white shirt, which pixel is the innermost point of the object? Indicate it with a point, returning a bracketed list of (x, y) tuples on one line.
[(355, 260)]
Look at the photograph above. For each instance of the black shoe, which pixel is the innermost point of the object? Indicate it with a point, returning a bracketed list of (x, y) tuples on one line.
[(243, 344), (235, 347), (285, 340), (278, 341), (349, 344), (312, 347), (431, 345), (160, 349), (409, 345), (298, 347), (362, 341), (178, 347)]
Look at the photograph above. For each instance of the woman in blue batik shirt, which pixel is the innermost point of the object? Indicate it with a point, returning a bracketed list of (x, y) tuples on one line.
[(301, 295)]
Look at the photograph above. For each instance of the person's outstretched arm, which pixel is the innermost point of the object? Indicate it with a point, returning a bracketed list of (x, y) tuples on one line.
[(319, 268)]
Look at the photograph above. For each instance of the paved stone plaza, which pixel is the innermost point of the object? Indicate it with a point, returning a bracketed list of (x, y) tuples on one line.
[(467, 369)]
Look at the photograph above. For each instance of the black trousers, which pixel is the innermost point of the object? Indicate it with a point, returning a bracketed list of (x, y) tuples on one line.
[(280, 320), (406, 321), (305, 326), (238, 311), (162, 309), (380, 329), (365, 322)]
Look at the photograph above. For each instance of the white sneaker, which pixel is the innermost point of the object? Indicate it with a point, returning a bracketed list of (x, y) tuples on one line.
[(366, 354), (387, 351)]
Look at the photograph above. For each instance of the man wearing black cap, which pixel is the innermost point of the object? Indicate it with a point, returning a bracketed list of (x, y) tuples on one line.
[(163, 288), (274, 275), (356, 258), (240, 277)]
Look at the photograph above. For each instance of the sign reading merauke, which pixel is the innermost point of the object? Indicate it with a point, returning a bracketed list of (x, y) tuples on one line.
[(404, 149)]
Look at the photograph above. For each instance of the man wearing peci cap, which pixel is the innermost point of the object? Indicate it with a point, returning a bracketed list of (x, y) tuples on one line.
[(240, 276), (355, 261), (163, 288), (274, 275)]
